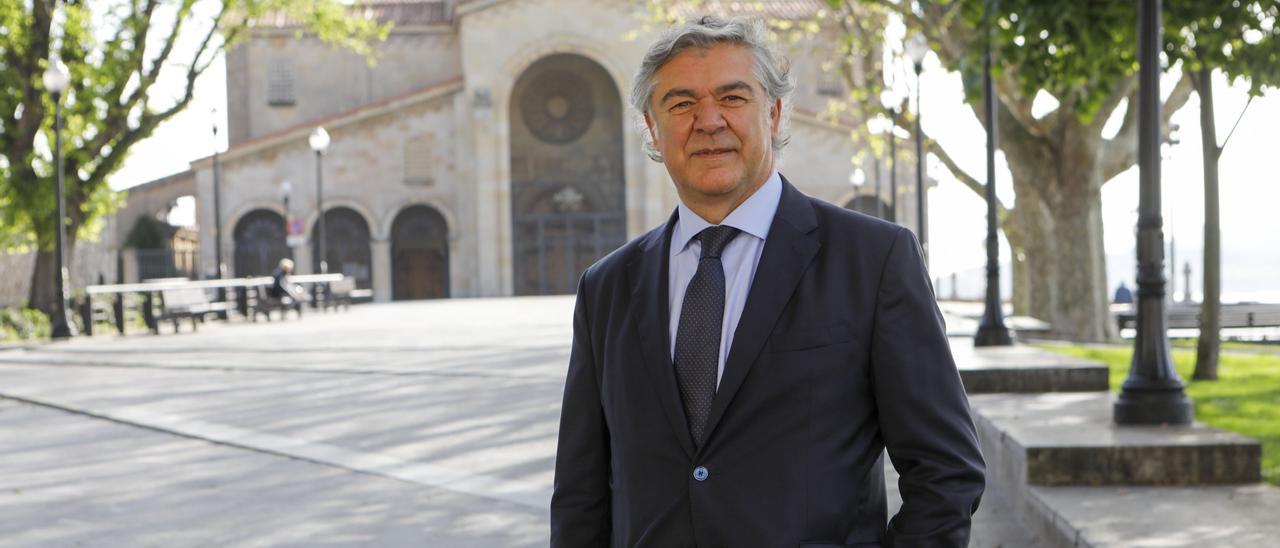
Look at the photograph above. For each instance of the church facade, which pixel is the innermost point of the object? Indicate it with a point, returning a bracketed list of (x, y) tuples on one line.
[(490, 151)]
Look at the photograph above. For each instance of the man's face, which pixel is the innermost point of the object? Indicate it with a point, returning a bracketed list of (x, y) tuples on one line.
[(714, 124)]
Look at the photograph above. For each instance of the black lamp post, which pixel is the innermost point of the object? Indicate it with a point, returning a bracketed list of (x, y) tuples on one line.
[(893, 165), (856, 180), (217, 209), (991, 330), (879, 200), (286, 189), (916, 48), (1152, 393), (319, 141), (56, 79), (890, 101)]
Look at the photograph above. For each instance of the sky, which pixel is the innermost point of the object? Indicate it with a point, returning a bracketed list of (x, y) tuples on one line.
[(1249, 177)]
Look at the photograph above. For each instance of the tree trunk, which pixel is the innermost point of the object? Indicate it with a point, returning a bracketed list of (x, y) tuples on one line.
[(1209, 343), (43, 292), (1031, 243), (1081, 311), (1021, 275), (1058, 217)]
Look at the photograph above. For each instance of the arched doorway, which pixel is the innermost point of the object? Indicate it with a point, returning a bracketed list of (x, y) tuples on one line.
[(419, 254), (568, 205), (868, 205), (260, 243), (346, 244)]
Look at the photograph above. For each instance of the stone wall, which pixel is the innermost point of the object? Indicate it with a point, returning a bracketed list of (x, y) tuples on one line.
[(326, 80), (92, 258), (365, 169)]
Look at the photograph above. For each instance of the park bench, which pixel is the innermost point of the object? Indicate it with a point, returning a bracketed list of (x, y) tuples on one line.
[(344, 291), (172, 299), (1231, 316), (177, 303), (261, 302), (120, 310)]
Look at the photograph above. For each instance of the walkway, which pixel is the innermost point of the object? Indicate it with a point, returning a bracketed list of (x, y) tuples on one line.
[(422, 424)]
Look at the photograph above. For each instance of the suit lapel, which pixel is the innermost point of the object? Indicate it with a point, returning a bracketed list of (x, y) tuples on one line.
[(788, 250), (648, 273)]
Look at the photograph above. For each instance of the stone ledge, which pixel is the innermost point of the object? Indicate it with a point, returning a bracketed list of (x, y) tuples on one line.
[(1024, 369), (1069, 439), (1069, 473), (1235, 516)]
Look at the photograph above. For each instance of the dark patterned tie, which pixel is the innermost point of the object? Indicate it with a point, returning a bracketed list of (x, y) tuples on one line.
[(698, 334)]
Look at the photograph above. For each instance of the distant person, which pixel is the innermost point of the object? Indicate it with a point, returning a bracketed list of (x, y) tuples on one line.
[(1123, 295), (281, 289)]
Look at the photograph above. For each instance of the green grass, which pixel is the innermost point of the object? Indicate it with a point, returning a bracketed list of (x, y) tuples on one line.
[(1245, 399), (1232, 346)]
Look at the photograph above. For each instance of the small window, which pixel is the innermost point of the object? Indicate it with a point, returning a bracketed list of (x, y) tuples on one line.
[(418, 167), (830, 83), (280, 89)]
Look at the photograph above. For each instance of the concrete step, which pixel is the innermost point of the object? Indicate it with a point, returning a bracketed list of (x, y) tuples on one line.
[(1024, 369), (1076, 479), (1070, 439), (1221, 516)]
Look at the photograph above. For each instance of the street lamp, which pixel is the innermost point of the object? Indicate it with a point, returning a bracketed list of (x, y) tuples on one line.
[(890, 101), (857, 178), (1152, 393), (876, 126), (319, 141), (991, 330), (217, 206), (286, 188), (56, 79), (917, 47)]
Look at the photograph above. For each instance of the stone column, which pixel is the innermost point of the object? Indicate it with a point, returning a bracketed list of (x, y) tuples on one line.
[(204, 218), (129, 260), (491, 240), (302, 259), (381, 251)]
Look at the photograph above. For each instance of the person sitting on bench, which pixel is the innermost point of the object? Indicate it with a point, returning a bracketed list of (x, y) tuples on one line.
[(281, 289)]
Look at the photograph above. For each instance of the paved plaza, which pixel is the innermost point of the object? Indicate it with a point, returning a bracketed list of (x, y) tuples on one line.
[(419, 424)]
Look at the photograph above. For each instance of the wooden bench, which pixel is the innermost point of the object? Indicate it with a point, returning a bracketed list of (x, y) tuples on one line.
[(344, 291), (261, 302), (187, 302), (119, 311), (1231, 316)]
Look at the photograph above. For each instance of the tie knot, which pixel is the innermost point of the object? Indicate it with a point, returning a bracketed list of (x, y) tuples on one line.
[(714, 239)]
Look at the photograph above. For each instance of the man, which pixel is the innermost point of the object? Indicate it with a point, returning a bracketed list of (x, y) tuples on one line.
[(737, 373)]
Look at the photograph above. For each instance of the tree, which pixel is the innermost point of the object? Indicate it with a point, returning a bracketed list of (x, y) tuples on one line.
[(1083, 55), (116, 52), (1243, 42)]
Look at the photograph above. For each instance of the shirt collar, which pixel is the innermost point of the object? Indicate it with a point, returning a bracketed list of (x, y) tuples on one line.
[(753, 216)]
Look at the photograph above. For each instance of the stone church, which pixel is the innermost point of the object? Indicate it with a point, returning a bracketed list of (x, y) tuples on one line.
[(490, 151)]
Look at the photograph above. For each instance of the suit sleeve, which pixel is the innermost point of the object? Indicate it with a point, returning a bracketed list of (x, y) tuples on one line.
[(580, 501), (923, 410)]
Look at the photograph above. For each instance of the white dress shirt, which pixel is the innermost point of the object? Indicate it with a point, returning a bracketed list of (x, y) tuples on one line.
[(753, 217)]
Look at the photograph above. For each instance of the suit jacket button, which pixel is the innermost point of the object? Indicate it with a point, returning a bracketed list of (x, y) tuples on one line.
[(700, 473)]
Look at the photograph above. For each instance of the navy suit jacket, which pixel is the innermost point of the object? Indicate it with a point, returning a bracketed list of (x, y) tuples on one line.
[(840, 353)]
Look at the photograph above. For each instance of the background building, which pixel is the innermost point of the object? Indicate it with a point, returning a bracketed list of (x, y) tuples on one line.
[(490, 151)]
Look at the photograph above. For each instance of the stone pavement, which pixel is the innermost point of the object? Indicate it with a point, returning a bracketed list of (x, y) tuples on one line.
[(415, 424)]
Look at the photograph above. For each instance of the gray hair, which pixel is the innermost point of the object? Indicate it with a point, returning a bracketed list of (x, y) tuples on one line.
[(770, 68)]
